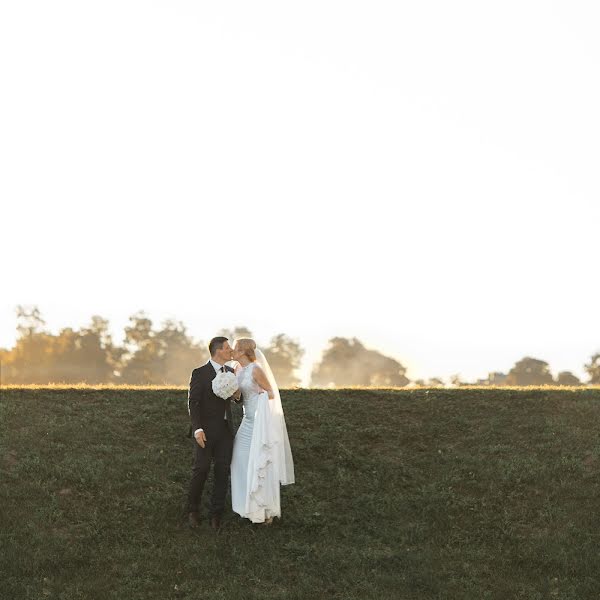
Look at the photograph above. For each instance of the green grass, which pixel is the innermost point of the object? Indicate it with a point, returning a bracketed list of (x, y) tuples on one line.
[(408, 494)]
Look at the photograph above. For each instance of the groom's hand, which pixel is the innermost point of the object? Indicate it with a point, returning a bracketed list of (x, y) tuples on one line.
[(200, 438)]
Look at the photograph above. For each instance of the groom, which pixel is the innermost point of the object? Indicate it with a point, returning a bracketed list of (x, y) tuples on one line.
[(212, 428)]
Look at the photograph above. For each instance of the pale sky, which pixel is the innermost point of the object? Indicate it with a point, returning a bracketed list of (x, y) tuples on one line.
[(421, 175)]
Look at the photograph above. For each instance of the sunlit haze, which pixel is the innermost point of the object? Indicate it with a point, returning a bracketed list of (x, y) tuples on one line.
[(420, 175)]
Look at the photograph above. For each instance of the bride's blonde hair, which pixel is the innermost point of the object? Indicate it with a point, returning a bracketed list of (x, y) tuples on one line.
[(247, 346)]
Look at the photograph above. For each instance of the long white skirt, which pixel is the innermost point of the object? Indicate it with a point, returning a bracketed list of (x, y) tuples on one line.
[(255, 492)]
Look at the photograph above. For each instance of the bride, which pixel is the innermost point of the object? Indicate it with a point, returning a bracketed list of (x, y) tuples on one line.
[(262, 457)]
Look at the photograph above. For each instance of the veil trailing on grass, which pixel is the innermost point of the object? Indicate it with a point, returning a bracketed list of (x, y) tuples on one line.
[(283, 460)]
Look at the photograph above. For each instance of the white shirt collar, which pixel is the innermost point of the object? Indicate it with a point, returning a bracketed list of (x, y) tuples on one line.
[(216, 365)]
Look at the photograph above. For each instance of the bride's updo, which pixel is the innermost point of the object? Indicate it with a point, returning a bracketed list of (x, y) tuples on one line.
[(247, 346)]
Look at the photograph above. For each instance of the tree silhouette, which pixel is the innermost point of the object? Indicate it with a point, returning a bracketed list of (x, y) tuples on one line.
[(237, 332), (140, 362), (29, 320), (437, 382), (284, 355), (457, 381), (567, 378), (180, 354), (346, 362), (69, 357), (167, 355), (497, 378), (530, 371), (593, 369), (30, 361), (163, 357)]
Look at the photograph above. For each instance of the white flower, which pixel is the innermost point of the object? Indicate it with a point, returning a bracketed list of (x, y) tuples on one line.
[(225, 384)]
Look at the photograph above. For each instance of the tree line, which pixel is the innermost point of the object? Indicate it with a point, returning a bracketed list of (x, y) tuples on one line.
[(165, 355)]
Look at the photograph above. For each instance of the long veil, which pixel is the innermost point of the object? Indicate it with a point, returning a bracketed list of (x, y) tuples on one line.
[(283, 451)]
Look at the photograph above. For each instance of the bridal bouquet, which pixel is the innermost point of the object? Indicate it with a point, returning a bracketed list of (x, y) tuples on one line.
[(225, 384)]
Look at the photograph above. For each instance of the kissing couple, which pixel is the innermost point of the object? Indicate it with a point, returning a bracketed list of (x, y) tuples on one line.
[(258, 456)]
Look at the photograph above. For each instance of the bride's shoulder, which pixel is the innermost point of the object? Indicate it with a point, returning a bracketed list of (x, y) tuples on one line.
[(256, 369), (249, 368)]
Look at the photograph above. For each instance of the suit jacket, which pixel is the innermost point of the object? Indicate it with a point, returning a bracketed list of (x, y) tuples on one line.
[(206, 409)]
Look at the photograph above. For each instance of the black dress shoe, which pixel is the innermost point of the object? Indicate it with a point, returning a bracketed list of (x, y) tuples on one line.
[(215, 522), (194, 519)]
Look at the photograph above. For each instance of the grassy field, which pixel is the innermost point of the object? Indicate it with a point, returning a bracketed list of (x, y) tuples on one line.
[(408, 494)]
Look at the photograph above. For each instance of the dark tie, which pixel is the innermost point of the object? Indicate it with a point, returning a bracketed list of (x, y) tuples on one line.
[(222, 369)]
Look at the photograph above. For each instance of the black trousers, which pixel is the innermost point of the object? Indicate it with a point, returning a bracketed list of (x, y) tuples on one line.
[(218, 449)]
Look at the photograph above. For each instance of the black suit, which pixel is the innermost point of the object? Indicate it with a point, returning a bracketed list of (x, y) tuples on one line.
[(207, 412)]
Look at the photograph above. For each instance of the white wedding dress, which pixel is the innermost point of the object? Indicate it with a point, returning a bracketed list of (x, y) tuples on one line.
[(261, 454)]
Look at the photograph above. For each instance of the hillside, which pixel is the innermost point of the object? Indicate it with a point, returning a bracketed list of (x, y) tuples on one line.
[(409, 494)]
